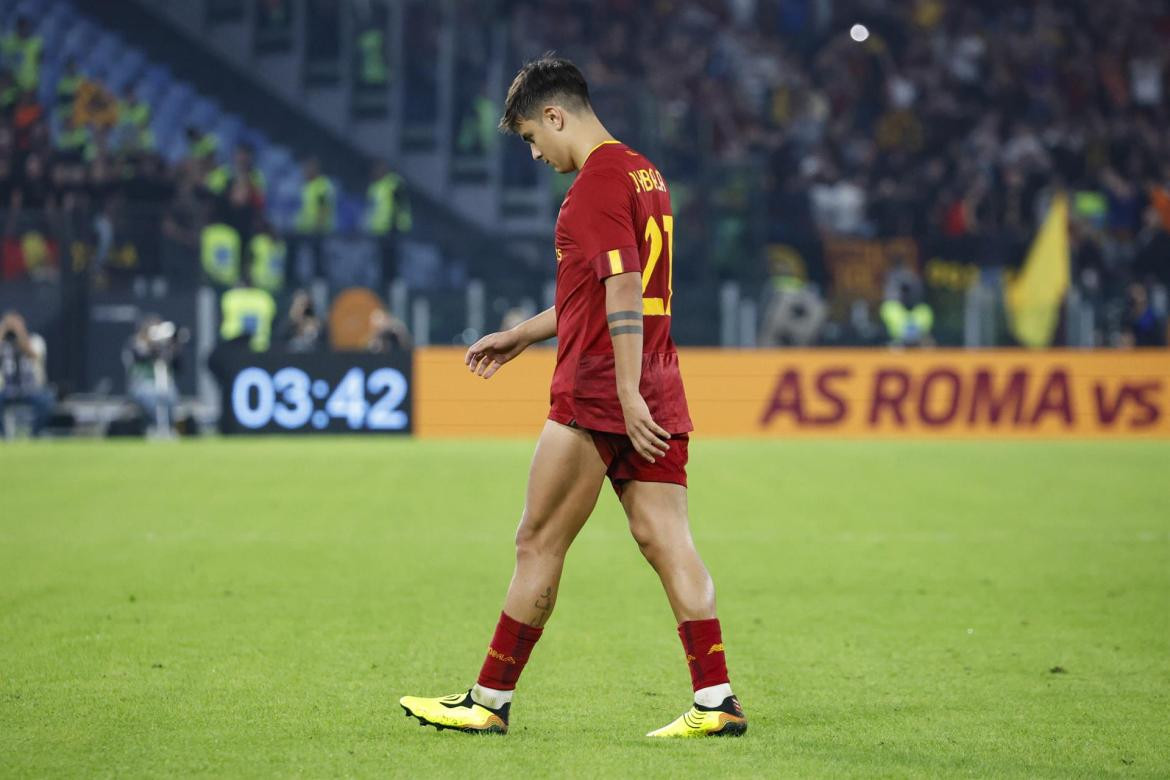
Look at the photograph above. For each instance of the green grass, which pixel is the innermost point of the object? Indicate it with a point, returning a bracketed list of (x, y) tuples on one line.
[(255, 608)]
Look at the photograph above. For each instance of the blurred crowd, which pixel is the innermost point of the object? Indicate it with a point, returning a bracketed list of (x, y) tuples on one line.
[(933, 118), (929, 119), (86, 160), (81, 178), (85, 165)]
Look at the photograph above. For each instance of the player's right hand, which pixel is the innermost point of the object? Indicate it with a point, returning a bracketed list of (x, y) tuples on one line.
[(650, 439), (485, 356)]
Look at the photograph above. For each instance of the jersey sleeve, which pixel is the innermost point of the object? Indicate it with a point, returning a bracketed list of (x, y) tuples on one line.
[(608, 240)]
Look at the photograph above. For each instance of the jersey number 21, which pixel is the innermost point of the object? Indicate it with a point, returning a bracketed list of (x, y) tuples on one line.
[(658, 306)]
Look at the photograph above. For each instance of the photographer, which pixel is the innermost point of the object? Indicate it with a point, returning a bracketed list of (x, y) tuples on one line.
[(22, 372), (302, 332), (387, 333), (151, 357)]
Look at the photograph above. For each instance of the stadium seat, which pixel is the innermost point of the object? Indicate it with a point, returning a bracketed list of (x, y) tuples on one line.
[(229, 129), (173, 149), (152, 91), (201, 113)]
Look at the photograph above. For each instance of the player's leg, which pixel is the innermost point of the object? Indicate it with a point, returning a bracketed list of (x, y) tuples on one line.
[(563, 484), (659, 522)]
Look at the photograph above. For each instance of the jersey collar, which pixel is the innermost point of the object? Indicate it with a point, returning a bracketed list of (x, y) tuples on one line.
[(594, 149)]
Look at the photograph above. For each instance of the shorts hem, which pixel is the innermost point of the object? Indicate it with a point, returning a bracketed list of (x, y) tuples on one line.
[(562, 419)]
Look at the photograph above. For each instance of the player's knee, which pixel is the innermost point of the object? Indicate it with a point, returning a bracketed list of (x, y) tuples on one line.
[(649, 542), (525, 538), (532, 537), (653, 553)]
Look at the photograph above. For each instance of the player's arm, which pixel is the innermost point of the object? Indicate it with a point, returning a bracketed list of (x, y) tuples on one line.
[(540, 328), (623, 310), (485, 356)]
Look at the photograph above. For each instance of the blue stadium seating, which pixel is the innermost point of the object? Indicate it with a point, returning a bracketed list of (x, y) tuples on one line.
[(103, 55)]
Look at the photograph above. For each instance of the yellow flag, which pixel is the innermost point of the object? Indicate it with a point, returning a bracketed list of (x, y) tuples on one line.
[(1034, 295)]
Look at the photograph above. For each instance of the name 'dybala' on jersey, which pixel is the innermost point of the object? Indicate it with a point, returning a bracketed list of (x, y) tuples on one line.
[(646, 179)]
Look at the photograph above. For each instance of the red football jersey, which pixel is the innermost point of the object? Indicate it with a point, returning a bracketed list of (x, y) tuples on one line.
[(615, 218)]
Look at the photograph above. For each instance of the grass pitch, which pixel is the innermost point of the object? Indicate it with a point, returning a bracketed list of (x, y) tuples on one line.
[(255, 608)]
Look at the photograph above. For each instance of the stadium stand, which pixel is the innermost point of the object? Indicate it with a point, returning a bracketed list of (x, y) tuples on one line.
[(834, 190)]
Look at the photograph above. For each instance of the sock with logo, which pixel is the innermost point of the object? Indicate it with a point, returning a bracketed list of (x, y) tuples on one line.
[(506, 655), (703, 644)]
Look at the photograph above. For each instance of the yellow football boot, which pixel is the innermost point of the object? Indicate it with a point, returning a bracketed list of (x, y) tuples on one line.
[(726, 720), (457, 712)]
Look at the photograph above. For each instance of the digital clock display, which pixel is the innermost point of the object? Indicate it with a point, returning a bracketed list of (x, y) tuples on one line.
[(328, 392)]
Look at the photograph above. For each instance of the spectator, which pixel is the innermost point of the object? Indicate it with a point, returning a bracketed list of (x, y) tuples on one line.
[(318, 210), (21, 51), (908, 321), (1143, 326), (73, 138), (181, 228), (302, 332), (387, 214), (67, 86), (902, 277), (477, 127), (22, 372), (28, 122), (267, 255), (246, 315), (238, 193), (372, 69), (202, 147), (387, 206), (133, 133), (94, 107), (838, 205)]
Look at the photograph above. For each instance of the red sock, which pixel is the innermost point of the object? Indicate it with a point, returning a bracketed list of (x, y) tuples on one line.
[(703, 644), (506, 655)]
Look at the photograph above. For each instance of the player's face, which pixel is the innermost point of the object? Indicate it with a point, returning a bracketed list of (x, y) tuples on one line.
[(544, 140)]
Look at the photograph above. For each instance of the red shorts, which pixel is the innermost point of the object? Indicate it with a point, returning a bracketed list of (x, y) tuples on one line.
[(623, 463)]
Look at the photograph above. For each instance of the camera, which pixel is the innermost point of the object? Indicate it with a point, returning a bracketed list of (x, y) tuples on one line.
[(160, 339), (160, 334), (166, 334)]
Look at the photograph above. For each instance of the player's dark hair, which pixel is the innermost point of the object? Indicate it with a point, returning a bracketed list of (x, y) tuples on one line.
[(542, 80)]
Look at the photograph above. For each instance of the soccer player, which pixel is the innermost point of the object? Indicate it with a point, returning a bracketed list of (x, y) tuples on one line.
[(618, 407)]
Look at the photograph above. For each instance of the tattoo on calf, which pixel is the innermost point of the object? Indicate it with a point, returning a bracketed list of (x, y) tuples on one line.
[(629, 314), (623, 330), (544, 604)]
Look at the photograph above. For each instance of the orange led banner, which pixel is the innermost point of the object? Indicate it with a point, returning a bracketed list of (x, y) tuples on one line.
[(847, 393), (514, 402)]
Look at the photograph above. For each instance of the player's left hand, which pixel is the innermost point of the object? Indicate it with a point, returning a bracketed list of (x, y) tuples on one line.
[(485, 356), (650, 439)]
